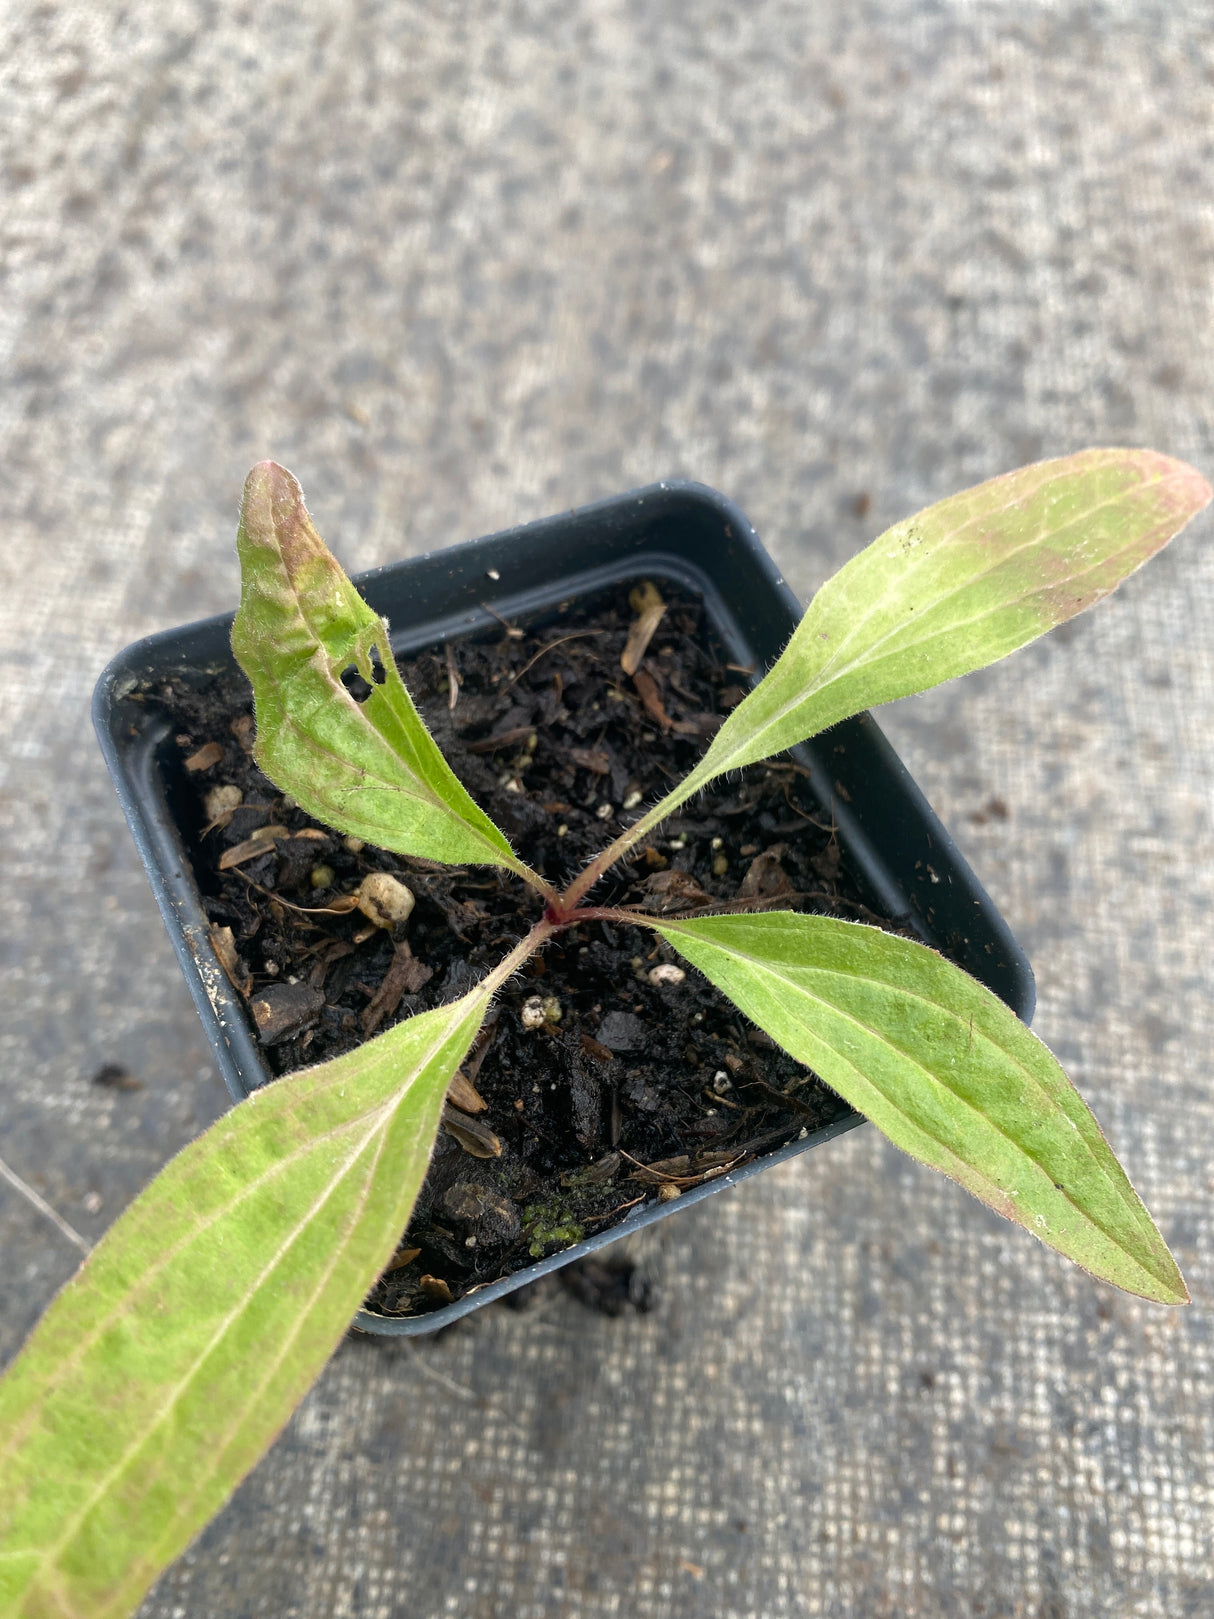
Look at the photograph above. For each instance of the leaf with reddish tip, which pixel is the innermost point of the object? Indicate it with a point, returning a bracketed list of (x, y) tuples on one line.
[(167, 1366), (945, 1070), (957, 587), (369, 768)]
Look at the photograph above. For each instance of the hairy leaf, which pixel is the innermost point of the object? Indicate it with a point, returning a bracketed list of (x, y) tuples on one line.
[(166, 1367), (946, 1071), (957, 587), (370, 768)]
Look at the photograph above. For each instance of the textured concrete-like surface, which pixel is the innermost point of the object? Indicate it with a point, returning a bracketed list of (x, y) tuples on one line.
[(462, 266)]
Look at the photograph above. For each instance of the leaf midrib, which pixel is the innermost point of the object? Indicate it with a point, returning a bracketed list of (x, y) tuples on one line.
[(883, 1040), (147, 1430), (375, 1115), (151, 1274), (167, 1256), (301, 1317), (895, 588), (831, 672)]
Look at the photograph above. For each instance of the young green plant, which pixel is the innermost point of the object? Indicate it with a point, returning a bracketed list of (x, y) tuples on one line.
[(166, 1367)]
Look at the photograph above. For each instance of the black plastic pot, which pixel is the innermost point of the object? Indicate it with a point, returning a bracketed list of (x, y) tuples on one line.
[(891, 841)]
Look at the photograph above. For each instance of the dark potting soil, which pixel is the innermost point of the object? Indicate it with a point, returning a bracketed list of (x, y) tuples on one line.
[(642, 1080)]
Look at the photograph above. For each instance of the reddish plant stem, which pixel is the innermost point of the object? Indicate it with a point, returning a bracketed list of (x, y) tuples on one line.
[(523, 950), (568, 901), (631, 836), (541, 885), (561, 919)]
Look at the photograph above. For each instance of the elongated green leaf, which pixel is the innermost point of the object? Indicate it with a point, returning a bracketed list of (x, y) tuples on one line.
[(957, 587), (166, 1367), (946, 1071), (369, 768)]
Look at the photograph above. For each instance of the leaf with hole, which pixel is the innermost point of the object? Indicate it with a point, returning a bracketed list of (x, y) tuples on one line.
[(946, 1071), (168, 1365), (363, 764)]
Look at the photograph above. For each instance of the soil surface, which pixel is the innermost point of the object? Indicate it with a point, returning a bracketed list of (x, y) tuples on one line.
[(640, 1080)]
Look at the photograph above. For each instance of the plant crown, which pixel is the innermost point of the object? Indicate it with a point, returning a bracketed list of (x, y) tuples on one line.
[(167, 1366)]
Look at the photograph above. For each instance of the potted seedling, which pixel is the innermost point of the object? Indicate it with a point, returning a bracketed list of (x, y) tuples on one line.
[(610, 1086), (166, 1367)]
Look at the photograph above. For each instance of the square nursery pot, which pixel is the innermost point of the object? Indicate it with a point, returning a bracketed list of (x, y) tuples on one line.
[(895, 849)]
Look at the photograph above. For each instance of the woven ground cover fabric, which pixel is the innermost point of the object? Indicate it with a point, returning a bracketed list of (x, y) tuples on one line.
[(459, 267)]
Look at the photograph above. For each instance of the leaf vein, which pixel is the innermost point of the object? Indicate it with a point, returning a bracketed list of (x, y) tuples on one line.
[(832, 672), (148, 1429), (780, 978)]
